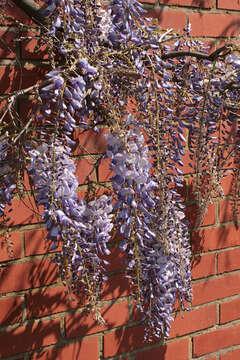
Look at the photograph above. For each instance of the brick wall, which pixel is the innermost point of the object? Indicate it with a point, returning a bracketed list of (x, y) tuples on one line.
[(37, 320)]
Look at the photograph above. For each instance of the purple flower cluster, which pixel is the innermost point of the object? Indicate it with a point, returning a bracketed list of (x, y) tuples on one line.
[(124, 18), (62, 15), (66, 100), (233, 136), (155, 236), (190, 97), (109, 66), (149, 211), (7, 181), (82, 229)]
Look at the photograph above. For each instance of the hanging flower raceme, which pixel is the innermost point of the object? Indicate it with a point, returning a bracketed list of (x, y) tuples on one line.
[(65, 100), (232, 135), (159, 268), (108, 61), (81, 229)]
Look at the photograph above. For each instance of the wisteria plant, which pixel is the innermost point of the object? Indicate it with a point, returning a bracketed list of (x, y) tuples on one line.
[(160, 94)]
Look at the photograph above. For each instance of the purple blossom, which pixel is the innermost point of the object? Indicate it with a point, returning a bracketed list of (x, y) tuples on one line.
[(155, 235), (107, 67), (7, 172), (83, 229)]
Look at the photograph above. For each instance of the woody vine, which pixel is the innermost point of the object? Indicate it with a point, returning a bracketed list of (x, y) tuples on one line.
[(159, 93)]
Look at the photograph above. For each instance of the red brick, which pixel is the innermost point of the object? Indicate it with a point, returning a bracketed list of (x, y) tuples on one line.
[(9, 79), (23, 211), (32, 75), (12, 78), (229, 260), (204, 4), (116, 259), (16, 248), (217, 238), (194, 320), (137, 315), (36, 243), (225, 211), (227, 184), (29, 337), (7, 45), (90, 142), (214, 289), (104, 171), (192, 187), (169, 19), (192, 215), (17, 14), (203, 266), (225, 25), (216, 340), (177, 350), (3, 103), (83, 169), (10, 310), (26, 181), (231, 355), (187, 168), (116, 236), (123, 340), (227, 152), (229, 5), (81, 324), (230, 311), (84, 350), (31, 50), (21, 276), (50, 301), (182, 191), (26, 109), (231, 128), (116, 286), (127, 339)]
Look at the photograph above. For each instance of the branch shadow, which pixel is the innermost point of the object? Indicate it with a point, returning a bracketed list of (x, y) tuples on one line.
[(39, 317), (29, 309)]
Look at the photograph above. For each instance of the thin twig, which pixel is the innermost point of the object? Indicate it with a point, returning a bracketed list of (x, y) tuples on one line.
[(27, 90)]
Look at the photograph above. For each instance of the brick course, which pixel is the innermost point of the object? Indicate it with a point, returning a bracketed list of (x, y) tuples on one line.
[(38, 318)]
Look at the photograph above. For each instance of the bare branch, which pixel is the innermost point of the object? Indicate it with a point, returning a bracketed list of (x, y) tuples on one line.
[(211, 57), (25, 91), (11, 98)]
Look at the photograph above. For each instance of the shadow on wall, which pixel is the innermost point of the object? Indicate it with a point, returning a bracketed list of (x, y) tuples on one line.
[(60, 337), (227, 25), (50, 324), (17, 75), (40, 295), (43, 313)]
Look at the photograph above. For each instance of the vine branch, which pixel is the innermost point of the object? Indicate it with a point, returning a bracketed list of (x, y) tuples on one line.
[(211, 57), (34, 11)]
